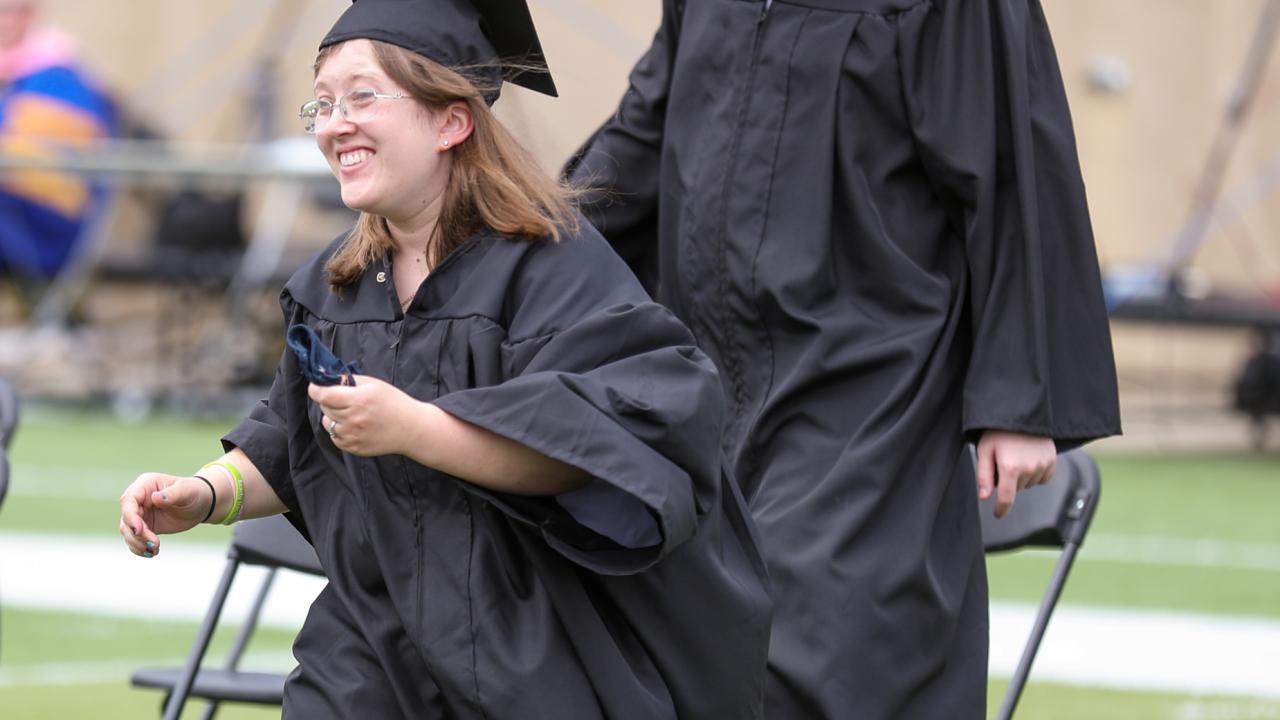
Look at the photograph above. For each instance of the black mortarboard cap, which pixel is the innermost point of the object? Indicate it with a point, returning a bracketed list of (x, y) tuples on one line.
[(492, 36)]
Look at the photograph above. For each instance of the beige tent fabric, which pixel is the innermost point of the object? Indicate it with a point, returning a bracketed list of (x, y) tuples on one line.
[(1141, 147), (1148, 82)]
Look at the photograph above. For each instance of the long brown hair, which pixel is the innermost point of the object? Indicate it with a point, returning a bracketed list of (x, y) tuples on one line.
[(494, 182)]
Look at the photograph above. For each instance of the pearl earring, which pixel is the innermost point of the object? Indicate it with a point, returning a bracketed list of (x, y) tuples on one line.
[(444, 143)]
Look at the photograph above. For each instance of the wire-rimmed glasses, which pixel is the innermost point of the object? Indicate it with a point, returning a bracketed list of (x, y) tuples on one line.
[(357, 106)]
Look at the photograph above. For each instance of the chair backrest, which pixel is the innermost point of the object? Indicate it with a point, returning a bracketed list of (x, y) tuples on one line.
[(1050, 515), (273, 541)]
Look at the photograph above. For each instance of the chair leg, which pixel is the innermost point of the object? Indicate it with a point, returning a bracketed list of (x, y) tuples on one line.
[(1047, 604), (210, 709), (246, 631), (182, 688), (9, 405), (4, 474), (251, 621)]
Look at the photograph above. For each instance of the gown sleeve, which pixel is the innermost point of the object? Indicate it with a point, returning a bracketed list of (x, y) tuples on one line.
[(264, 437), (601, 378), (989, 113), (620, 163)]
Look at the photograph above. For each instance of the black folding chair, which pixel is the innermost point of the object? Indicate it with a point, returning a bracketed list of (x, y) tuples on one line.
[(1055, 515), (8, 425), (269, 542)]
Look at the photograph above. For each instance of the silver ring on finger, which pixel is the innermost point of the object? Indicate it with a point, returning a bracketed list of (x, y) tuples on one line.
[(333, 428)]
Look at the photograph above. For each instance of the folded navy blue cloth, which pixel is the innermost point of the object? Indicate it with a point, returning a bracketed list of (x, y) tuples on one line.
[(317, 361)]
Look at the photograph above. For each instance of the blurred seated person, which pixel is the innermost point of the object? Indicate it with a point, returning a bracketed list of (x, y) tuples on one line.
[(48, 105)]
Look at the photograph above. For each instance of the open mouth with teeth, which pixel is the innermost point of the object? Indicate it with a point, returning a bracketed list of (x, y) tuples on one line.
[(355, 157)]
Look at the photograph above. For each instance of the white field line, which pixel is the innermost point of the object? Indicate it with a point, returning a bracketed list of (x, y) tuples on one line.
[(1170, 652), (1227, 709), (92, 574), (1147, 650), (1182, 552)]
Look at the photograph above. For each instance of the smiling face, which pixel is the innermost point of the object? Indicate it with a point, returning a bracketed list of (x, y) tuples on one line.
[(391, 162)]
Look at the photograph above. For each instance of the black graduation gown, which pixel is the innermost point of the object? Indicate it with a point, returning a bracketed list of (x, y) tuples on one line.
[(447, 600), (870, 213)]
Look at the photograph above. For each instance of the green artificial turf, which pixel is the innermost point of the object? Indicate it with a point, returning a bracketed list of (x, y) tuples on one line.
[(73, 665), (1225, 497), (69, 467), (107, 701), (34, 637), (1185, 533), (1043, 701)]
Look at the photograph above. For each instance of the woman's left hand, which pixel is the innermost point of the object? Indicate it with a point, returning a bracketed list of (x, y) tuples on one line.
[(370, 418)]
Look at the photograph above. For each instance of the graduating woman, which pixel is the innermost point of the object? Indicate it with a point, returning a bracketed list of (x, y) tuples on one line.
[(514, 487)]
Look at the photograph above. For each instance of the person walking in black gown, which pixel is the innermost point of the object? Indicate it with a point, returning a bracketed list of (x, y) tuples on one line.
[(871, 215)]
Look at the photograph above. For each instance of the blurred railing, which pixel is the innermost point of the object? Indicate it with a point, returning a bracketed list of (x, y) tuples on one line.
[(280, 176), (289, 168), (148, 161)]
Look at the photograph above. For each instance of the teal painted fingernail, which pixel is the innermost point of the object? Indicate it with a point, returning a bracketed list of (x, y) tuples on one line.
[(151, 545), (148, 554)]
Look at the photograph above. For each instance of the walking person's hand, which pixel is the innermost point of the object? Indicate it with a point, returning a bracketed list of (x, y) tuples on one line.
[(369, 418), (1009, 462), (158, 504)]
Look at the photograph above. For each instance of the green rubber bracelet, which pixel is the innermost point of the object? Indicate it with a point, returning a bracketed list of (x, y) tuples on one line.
[(237, 503)]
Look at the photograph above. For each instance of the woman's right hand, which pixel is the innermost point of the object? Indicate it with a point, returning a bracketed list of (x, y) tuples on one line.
[(158, 504)]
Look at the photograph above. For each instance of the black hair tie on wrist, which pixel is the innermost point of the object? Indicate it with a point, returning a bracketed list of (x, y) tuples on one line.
[(212, 492)]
